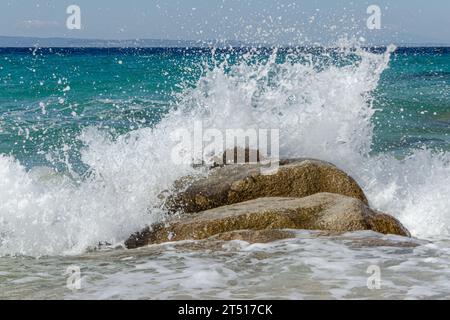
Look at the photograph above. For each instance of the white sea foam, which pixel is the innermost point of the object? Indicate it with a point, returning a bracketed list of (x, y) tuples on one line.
[(322, 112), (44, 213)]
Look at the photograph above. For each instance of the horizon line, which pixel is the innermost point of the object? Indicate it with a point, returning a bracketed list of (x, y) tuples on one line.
[(238, 43)]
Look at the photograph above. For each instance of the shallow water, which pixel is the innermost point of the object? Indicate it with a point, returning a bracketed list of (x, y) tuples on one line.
[(307, 267)]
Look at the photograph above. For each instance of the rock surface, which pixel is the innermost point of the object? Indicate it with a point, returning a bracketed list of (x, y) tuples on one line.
[(242, 182), (254, 236), (238, 156), (321, 211)]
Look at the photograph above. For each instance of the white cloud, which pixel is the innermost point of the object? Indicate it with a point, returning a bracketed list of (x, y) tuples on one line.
[(38, 24)]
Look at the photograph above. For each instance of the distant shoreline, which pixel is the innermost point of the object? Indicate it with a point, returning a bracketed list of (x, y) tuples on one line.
[(242, 49), (59, 42)]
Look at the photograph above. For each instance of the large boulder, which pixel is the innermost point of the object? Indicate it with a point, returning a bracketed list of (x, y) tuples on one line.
[(321, 211), (242, 182)]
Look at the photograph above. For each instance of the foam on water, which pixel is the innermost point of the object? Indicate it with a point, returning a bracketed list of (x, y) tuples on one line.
[(306, 267), (45, 213), (322, 111)]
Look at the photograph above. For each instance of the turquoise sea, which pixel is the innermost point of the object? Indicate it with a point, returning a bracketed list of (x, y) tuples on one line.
[(49, 95), (85, 151)]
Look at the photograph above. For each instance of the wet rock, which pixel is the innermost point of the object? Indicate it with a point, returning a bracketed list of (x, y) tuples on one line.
[(254, 236), (242, 182), (321, 211)]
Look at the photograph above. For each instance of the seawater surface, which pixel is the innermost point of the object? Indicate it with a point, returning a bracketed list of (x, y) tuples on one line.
[(85, 151)]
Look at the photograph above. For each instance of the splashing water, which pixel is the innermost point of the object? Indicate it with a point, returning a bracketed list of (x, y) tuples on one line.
[(45, 213), (323, 111)]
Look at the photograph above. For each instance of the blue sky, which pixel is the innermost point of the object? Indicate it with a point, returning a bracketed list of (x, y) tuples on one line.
[(282, 21)]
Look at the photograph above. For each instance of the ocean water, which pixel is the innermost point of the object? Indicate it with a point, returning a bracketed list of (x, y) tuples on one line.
[(85, 151)]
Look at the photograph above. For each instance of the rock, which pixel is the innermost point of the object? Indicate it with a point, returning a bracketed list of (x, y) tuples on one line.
[(254, 236), (321, 211), (242, 182), (238, 156)]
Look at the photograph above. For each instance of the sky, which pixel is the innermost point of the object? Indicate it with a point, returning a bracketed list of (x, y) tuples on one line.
[(276, 21)]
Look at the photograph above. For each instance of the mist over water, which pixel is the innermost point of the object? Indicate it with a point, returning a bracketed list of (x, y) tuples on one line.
[(105, 183)]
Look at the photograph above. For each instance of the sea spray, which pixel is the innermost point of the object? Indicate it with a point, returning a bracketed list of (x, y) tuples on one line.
[(53, 214), (323, 110), (327, 112)]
